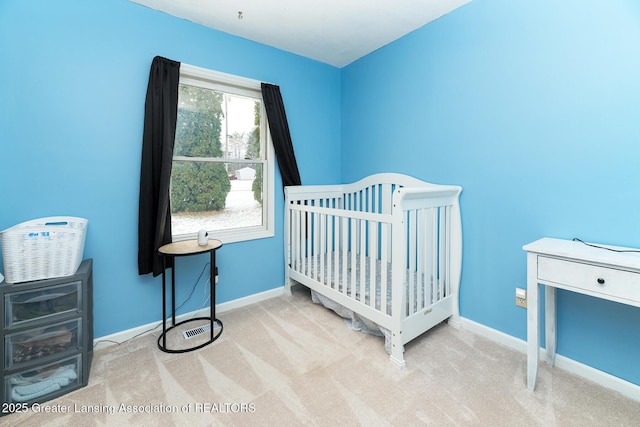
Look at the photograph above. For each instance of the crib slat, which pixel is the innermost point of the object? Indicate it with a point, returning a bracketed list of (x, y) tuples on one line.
[(442, 259), (428, 257), (302, 218), (322, 247), (387, 198), (329, 251), (308, 240), (293, 239), (384, 267), (345, 252), (386, 191), (314, 245), (373, 257), (446, 233), (363, 259), (411, 262), (336, 252), (441, 267), (434, 258), (298, 240), (352, 273), (422, 215), (374, 199)]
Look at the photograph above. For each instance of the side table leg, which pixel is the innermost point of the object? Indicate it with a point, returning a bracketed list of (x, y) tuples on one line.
[(164, 303), (173, 293), (212, 291)]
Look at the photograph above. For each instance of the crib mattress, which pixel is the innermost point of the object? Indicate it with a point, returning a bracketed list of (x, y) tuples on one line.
[(350, 285)]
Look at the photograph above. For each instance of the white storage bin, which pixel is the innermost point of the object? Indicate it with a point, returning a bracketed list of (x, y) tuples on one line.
[(43, 248)]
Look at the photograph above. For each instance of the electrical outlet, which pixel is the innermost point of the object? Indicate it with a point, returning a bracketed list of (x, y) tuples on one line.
[(521, 298)]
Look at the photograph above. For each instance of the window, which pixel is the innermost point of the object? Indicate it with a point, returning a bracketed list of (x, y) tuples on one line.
[(222, 172)]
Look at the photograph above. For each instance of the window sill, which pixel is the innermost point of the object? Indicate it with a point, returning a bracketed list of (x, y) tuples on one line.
[(231, 236)]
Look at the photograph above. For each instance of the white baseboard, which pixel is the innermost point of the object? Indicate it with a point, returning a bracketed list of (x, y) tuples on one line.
[(602, 378), (122, 336)]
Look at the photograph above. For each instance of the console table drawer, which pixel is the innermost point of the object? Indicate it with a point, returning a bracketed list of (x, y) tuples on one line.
[(591, 279)]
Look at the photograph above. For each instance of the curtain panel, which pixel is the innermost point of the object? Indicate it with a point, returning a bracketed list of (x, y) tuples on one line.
[(154, 213), (280, 135)]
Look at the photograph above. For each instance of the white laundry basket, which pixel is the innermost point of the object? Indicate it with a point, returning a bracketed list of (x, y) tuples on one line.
[(43, 248)]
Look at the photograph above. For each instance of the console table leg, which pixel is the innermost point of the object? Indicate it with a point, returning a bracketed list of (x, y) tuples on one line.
[(533, 322), (550, 323)]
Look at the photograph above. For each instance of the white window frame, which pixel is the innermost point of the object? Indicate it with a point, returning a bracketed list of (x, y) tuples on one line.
[(202, 77)]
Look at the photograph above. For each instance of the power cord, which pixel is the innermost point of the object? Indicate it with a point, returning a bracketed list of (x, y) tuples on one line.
[(575, 239), (160, 323), (194, 287)]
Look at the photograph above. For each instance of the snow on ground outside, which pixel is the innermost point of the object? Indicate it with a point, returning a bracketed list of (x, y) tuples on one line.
[(241, 210)]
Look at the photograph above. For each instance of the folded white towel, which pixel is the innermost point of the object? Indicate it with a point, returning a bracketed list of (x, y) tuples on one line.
[(24, 390), (32, 391)]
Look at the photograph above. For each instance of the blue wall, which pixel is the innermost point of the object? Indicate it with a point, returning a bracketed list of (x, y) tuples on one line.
[(72, 89), (534, 108), (531, 106)]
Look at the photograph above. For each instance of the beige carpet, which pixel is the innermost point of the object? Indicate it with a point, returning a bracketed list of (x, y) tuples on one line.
[(287, 361)]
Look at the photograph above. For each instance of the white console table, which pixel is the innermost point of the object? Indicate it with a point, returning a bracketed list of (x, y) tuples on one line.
[(577, 267)]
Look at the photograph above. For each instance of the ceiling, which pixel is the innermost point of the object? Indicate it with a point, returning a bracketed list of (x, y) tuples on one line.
[(336, 32)]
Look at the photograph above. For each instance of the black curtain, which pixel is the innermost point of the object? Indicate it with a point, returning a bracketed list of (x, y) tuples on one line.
[(280, 135), (154, 212)]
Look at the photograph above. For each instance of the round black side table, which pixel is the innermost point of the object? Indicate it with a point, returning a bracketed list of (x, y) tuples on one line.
[(179, 249)]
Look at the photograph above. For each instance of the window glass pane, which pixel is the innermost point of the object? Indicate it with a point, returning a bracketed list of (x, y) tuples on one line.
[(217, 124), (199, 122), (241, 127), (200, 202)]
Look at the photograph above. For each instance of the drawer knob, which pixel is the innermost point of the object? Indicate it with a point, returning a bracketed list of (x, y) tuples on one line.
[(600, 281)]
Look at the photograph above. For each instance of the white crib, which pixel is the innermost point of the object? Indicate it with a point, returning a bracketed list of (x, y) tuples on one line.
[(388, 248)]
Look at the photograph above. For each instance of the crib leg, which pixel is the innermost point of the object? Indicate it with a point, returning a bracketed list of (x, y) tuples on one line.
[(288, 283), (455, 321), (397, 350)]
